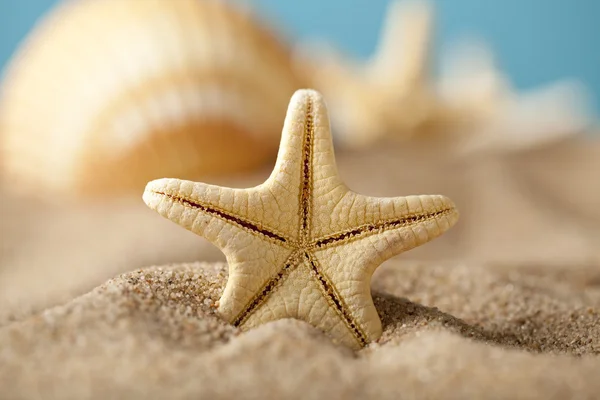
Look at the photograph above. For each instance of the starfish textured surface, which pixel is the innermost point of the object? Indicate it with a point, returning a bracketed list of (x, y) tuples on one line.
[(302, 244)]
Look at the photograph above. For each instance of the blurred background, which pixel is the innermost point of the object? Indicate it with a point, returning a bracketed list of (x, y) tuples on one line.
[(536, 41)]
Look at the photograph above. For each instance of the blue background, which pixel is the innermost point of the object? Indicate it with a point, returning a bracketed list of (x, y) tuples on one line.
[(535, 41)]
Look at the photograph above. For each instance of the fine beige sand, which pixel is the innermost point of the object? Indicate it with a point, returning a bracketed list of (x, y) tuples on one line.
[(505, 305), (450, 331)]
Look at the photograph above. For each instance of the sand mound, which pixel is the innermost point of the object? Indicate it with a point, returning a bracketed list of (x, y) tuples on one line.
[(450, 331)]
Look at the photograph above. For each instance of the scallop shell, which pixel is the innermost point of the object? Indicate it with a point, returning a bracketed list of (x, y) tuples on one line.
[(105, 95)]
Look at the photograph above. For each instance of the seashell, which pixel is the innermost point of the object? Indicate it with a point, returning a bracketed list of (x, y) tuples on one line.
[(471, 109), (390, 95), (105, 95)]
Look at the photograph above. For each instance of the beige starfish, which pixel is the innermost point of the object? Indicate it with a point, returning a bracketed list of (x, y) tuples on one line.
[(302, 245)]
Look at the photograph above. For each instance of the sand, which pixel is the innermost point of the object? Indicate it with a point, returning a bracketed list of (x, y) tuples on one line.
[(506, 305), (449, 331)]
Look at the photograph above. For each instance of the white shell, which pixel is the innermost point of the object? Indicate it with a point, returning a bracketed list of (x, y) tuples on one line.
[(106, 95)]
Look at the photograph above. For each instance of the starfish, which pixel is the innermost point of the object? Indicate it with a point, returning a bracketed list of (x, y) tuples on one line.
[(302, 244)]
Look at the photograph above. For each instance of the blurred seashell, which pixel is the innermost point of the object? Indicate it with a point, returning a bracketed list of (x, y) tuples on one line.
[(106, 95), (505, 120), (389, 96)]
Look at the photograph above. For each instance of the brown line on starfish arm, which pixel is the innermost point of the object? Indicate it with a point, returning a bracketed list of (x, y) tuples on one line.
[(226, 216), (267, 288), (335, 300), (306, 184), (362, 231)]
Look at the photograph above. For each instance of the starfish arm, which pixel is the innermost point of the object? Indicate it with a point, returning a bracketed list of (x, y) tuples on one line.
[(291, 156), (256, 211), (255, 253), (353, 217), (379, 230), (306, 161), (300, 295), (351, 275)]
